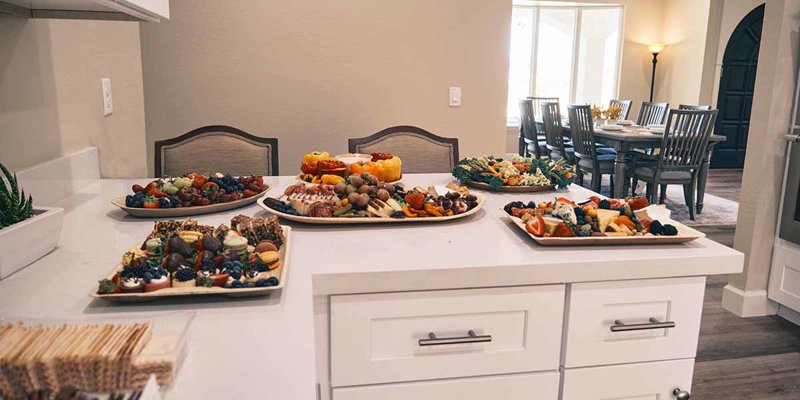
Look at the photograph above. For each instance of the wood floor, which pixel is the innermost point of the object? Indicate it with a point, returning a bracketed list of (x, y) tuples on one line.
[(742, 358)]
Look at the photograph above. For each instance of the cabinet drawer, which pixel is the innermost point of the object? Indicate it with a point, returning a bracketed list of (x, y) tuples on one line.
[(541, 386), (646, 381), (379, 338), (594, 308)]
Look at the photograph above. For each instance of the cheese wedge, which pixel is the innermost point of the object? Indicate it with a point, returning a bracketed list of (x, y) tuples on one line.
[(606, 217), (550, 225)]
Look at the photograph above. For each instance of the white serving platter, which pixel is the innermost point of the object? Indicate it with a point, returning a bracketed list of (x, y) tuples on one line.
[(370, 220), (685, 234), (279, 272), (187, 211)]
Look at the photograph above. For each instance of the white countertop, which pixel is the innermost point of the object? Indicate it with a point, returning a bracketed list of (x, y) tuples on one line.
[(264, 347)]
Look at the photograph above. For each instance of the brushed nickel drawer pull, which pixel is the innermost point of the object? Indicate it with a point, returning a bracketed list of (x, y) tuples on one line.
[(471, 337), (620, 326)]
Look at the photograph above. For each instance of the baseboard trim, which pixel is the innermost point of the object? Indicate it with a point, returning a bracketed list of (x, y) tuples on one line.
[(747, 304)]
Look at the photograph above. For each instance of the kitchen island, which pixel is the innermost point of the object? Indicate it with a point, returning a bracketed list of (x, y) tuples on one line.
[(361, 302)]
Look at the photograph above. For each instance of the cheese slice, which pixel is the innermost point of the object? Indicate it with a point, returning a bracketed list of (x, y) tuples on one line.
[(605, 217)]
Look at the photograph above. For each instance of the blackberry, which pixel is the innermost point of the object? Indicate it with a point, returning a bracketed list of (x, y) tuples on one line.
[(669, 230), (579, 213), (185, 274), (656, 227), (605, 204)]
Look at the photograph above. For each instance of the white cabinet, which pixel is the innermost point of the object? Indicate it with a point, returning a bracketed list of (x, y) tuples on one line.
[(541, 386), (663, 316), (612, 340), (648, 381), (392, 337)]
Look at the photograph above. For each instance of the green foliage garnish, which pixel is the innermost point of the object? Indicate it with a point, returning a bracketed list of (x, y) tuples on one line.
[(205, 281), (485, 170), (106, 287), (14, 207)]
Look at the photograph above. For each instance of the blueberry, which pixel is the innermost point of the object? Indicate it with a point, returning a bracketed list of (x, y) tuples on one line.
[(249, 284), (261, 282), (237, 284), (272, 281), (148, 277), (129, 201)]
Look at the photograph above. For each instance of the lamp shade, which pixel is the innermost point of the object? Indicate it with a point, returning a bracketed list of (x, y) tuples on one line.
[(656, 48)]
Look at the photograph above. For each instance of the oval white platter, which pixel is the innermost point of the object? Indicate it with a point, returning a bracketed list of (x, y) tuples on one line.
[(141, 297), (685, 234), (187, 211), (370, 220)]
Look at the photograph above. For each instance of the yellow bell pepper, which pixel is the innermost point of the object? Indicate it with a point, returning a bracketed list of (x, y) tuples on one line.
[(389, 170), (329, 179), (313, 157)]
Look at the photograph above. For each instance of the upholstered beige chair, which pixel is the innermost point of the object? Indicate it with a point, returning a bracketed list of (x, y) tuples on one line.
[(420, 150), (216, 148)]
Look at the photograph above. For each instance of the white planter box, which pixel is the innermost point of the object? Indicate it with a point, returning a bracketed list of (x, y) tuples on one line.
[(27, 241)]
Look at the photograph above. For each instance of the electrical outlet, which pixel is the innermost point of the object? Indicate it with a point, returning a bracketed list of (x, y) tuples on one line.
[(455, 96), (108, 106)]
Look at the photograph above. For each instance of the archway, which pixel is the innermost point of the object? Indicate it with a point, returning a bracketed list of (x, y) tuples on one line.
[(736, 86)]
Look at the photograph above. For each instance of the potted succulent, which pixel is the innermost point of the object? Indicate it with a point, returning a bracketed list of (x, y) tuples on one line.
[(27, 232)]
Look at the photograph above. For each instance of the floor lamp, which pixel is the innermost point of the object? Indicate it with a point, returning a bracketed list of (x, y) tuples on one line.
[(655, 49)]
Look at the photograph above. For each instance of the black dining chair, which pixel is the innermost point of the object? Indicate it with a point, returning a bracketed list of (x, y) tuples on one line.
[(556, 144), (586, 151), (652, 113), (527, 128), (693, 107), (625, 105), (680, 156)]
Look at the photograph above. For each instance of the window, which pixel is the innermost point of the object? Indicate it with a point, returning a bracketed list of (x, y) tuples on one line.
[(571, 53)]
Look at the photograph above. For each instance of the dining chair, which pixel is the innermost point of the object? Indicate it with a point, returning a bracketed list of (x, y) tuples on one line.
[(586, 151), (558, 148), (533, 146), (683, 147), (216, 148), (420, 150), (652, 113), (693, 107), (624, 104)]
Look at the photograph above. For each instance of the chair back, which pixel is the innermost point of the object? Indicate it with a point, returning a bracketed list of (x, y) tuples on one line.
[(693, 107), (625, 105), (554, 132), (652, 113), (527, 126), (537, 106), (686, 138), (216, 148), (582, 127), (420, 150)]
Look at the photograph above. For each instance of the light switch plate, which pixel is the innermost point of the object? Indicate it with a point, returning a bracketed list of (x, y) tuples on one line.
[(455, 96), (108, 106)]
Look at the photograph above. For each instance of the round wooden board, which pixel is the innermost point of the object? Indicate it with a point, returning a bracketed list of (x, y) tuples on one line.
[(512, 189), (370, 220), (186, 211), (203, 291)]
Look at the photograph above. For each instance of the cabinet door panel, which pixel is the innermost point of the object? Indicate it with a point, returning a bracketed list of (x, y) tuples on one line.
[(644, 381)]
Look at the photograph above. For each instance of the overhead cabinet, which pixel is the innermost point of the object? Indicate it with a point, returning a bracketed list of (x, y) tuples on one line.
[(125, 10)]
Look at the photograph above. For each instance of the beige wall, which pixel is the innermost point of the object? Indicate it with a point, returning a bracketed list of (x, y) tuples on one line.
[(315, 73), (50, 96), (685, 24)]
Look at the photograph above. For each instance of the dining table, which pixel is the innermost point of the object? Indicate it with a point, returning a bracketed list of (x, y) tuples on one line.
[(631, 137)]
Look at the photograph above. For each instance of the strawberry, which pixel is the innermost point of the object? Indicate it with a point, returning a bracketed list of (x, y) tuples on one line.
[(562, 230), (248, 193), (155, 192), (638, 202), (235, 196), (536, 227), (595, 199), (415, 200)]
